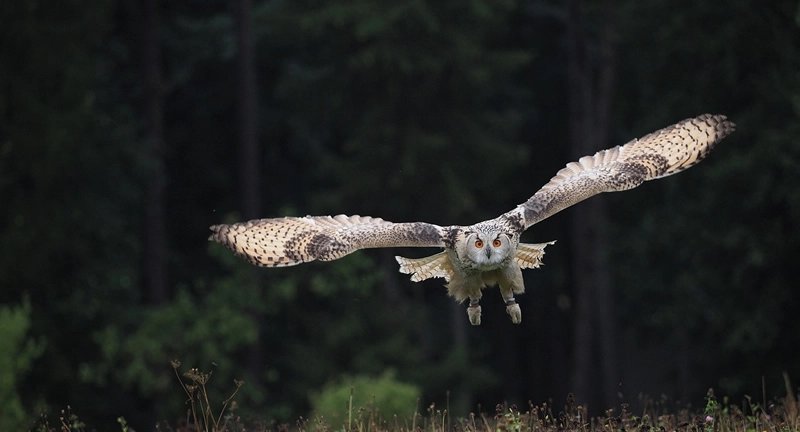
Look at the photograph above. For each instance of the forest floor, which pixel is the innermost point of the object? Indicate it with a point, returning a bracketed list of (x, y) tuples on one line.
[(780, 416)]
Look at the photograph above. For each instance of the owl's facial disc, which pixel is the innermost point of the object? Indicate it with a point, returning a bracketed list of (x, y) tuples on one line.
[(487, 249)]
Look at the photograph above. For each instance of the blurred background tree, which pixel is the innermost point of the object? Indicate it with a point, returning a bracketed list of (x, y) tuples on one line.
[(127, 128)]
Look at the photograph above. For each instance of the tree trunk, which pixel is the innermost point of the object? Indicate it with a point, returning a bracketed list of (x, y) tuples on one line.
[(154, 265), (249, 158), (595, 323), (249, 155)]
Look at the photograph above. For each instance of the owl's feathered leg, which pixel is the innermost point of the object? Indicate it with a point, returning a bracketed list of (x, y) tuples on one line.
[(513, 310), (510, 281), (474, 311), (465, 286)]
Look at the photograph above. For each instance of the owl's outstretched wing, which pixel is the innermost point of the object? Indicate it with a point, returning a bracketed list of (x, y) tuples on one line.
[(659, 154), (294, 240)]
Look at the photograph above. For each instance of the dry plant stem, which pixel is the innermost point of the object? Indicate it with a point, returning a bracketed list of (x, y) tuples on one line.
[(414, 419), (350, 412), (447, 413), (227, 401), (175, 365), (486, 422), (790, 404), (207, 414)]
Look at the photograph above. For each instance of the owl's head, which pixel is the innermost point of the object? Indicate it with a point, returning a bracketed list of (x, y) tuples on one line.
[(488, 249)]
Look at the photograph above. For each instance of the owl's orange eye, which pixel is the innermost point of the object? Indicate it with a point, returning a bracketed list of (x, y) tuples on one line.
[(478, 244), (496, 243)]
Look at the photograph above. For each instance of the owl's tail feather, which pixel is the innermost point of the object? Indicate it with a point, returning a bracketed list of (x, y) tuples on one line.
[(530, 255), (434, 266)]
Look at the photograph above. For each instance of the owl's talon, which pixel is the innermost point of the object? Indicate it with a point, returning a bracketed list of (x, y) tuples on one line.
[(512, 308), (474, 313)]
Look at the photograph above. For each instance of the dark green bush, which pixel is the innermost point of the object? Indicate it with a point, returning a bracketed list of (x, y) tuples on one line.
[(384, 397)]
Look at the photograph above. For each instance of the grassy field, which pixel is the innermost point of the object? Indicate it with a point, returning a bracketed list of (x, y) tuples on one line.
[(781, 415)]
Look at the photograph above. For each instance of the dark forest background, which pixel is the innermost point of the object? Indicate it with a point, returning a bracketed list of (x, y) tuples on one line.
[(128, 127)]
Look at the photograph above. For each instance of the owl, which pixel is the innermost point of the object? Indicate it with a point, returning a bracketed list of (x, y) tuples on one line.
[(487, 253)]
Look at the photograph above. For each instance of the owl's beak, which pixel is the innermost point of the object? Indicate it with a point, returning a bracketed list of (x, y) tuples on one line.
[(488, 253)]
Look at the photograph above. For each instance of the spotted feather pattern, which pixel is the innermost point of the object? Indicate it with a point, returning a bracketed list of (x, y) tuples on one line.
[(289, 241), (488, 252), (659, 154)]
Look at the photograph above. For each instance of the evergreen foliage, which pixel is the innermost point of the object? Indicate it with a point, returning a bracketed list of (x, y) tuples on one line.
[(442, 111)]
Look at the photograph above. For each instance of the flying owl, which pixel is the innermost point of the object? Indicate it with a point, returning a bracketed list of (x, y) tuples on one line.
[(487, 253)]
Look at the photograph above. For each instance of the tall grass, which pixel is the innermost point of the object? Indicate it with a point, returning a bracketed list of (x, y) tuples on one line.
[(782, 415)]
